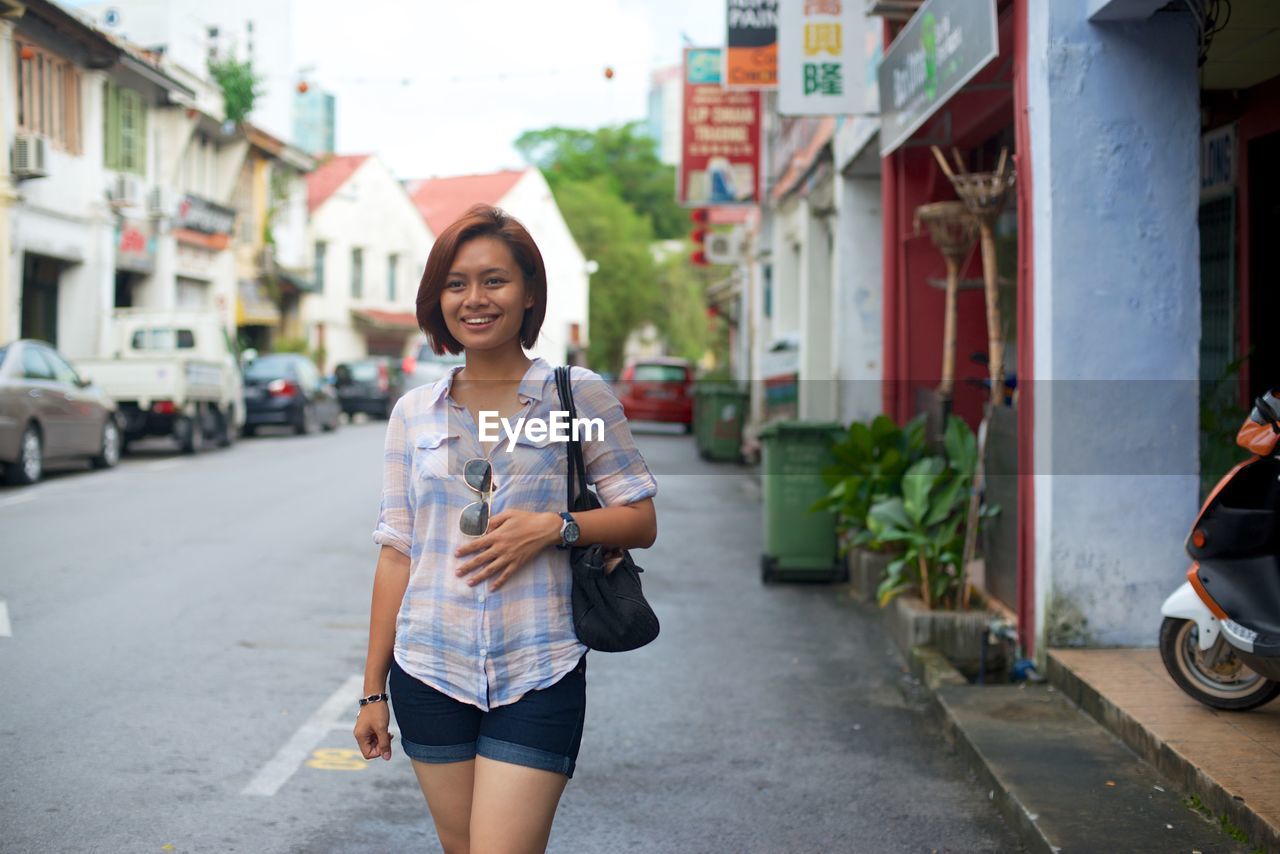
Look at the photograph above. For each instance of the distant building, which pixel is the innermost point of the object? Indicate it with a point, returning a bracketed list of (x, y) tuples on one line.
[(369, 246), (525, 195), (314, 117), (186, 30), (666, 97)]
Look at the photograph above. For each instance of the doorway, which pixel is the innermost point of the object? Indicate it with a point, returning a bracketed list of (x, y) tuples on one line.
[(40, 276), (1264, 264)]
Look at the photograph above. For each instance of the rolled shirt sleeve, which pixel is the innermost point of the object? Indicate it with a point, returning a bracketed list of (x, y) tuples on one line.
[(395, 517), (614, 464)]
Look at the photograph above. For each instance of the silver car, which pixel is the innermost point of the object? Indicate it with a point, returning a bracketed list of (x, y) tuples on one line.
[(47, 412), (423, 367)]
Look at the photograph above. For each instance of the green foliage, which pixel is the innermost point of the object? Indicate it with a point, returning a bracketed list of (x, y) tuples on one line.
[(617, 199), (623, 290), (623, 157), (240, 86), (927, 522), (870, 462)]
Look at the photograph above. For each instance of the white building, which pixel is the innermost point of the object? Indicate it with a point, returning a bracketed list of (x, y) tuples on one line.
[(525, 195), (665, 121), (82, 226), (186, 29), (370, 246)]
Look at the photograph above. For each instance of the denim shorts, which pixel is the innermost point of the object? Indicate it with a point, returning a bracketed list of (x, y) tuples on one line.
[(543, 729)]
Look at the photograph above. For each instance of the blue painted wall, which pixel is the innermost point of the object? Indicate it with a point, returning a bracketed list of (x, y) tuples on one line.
[(1114, 120)]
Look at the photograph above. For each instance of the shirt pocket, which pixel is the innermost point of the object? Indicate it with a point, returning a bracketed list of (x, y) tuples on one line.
[(432, 453), (541, 458)]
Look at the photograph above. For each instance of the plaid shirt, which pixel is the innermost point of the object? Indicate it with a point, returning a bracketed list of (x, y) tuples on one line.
[(480, 647)]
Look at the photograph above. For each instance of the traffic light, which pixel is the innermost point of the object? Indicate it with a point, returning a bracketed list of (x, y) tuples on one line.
[(700, 217)]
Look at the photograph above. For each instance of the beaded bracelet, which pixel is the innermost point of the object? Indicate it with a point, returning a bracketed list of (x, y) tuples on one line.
[(373, 698)]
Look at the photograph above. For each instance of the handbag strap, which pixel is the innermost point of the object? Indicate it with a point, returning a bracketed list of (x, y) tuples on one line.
[(577, 467)]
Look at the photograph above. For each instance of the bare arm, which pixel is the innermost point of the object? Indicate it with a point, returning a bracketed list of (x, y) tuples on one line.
[(389, 582)]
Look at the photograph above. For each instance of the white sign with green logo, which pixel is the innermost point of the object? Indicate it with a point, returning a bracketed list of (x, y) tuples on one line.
[(940, 49)]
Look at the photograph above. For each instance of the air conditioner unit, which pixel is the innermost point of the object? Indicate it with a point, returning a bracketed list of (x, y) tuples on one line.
[(125, 191), (29, 157), (160, 203), (724, 247)]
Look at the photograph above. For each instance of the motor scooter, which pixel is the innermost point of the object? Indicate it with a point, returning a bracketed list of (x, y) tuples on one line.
[(1220, 639)]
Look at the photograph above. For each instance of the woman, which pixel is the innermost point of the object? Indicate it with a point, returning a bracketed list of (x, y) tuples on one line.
[(472, 612)]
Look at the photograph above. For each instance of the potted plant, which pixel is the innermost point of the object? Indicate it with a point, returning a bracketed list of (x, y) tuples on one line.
[(870, 462), (926, 521)]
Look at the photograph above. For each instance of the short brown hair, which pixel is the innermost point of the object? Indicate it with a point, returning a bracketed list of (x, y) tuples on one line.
[(480, 221)]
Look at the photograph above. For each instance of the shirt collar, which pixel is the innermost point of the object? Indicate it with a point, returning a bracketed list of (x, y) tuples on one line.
[(531, 385)]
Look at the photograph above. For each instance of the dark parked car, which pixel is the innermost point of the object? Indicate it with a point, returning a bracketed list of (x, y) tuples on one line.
[(371, 385), (48, 411), (658, 389), (287, 389)]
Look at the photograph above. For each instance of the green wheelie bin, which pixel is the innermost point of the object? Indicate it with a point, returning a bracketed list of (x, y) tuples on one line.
[(718, 413), (799, 545)]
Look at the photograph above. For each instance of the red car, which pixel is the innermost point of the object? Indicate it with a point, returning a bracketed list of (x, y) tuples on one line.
[(658, 389)]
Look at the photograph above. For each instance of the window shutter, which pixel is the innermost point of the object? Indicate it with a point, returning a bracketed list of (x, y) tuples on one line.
[(111, 133)]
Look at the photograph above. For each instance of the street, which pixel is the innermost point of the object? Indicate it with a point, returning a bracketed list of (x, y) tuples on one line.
[(188, 636)]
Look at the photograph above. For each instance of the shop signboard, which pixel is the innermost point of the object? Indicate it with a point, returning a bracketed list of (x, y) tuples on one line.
[(751, 57), (940, 49), (826, 63), (135, 247), (720, 142), (204, 216)]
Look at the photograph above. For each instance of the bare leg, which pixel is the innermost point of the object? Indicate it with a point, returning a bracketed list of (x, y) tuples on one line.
[(448, 787), (513, 807)]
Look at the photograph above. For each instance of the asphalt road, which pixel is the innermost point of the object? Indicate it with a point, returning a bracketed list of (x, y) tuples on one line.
[(187, 639)]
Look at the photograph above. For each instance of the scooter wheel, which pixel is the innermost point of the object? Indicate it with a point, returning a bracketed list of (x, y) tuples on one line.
[(1230, 686)]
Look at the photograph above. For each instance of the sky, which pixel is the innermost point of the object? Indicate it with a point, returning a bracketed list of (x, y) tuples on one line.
[(444, 88)]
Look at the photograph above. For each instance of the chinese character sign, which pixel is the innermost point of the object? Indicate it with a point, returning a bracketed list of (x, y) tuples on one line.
[(720, 147), (825, 58), (751, 61)]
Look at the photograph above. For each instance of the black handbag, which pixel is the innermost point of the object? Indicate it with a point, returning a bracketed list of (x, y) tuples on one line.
[(610, 613)]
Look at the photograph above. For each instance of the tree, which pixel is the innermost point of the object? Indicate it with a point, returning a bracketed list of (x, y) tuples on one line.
[(240, 86), (623, 157), (623, 294)]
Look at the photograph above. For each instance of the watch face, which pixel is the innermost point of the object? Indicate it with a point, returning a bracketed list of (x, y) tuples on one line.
[(571, 532)]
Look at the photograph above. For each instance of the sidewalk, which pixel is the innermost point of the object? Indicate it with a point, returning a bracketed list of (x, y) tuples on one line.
[(1230, 761), (1111, 755)]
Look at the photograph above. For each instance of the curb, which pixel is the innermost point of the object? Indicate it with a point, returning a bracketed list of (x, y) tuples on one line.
[(1187, 776), (932, 668)]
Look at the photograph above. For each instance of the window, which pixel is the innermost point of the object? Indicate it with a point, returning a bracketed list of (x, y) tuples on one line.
[(48, 97), (163, 339), (34, 365), (393, 261), (660, 374), (61, 370), (321, 246), (126, 130), (357, 273)]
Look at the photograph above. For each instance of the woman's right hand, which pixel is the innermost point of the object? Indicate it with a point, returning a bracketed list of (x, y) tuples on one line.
[(371, 730)]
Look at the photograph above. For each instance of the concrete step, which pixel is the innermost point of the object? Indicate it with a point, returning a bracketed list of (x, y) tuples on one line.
[(1064, 782)]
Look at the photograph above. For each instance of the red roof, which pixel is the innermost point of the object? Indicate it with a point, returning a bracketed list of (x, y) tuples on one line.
[(388, 319), (329, 176), (442, 200)]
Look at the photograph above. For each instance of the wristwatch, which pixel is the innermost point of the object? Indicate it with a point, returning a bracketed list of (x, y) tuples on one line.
[(569, 531)]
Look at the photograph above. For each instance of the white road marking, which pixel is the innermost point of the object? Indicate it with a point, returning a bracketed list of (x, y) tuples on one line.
[(6, 628), (297, 749), (20, 498)]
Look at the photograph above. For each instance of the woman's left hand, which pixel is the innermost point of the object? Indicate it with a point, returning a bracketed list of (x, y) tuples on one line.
[(513, 539)]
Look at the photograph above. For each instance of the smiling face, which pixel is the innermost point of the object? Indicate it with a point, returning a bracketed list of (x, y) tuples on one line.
[(485, 297)]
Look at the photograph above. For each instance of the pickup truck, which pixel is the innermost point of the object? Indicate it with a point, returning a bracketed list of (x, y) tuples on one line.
[(172, 374)]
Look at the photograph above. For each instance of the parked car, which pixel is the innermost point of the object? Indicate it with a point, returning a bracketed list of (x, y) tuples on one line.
[(48, 411), (287, 389), (371, 385), (172, 374), (658, 389), (423, 367)]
